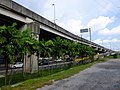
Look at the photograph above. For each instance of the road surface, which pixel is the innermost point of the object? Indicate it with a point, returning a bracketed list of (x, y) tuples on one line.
[(102, 76)]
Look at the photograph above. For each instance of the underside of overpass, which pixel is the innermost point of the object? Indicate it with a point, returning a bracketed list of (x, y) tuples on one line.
[(5, 20), (97, 51), (45, 35)]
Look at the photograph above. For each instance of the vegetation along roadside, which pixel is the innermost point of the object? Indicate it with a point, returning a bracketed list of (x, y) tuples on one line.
[(38, 82)]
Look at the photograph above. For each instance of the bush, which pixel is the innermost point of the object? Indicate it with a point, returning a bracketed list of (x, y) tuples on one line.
[(115, 56)]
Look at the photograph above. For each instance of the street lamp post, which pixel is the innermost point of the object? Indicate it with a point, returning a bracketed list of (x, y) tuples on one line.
[(54, 12)]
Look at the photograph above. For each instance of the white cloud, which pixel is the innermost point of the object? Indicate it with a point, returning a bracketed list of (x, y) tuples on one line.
[(73, 26), (107, 7), (113, 31), (100, 41), (96, 24), (99, 23), (115, 40)]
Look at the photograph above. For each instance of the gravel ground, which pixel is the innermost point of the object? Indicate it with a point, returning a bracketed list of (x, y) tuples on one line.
[(102, 76)]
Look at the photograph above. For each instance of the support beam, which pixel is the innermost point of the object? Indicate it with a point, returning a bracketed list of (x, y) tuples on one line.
[(12, 15)]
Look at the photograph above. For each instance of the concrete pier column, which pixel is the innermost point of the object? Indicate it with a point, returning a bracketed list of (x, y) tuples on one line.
[(31, 63)]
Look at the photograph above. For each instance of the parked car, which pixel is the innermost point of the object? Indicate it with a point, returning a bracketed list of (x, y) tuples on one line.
[(59, 60), (69, 59), (44, 62), (16, 65)]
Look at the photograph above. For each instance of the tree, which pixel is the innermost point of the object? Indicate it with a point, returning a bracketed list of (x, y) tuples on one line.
[(9, 44), (69, 47), (57, 49), (76, 48), (90, 51), (46, 47), (14, 44)]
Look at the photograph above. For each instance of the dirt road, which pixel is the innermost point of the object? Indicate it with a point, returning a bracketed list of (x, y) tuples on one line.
[(102, 76)]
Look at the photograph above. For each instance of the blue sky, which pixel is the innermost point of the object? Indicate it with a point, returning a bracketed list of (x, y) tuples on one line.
[(102, 16)]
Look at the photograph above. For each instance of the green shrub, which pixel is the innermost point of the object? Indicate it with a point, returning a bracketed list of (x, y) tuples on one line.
[(115, 56)]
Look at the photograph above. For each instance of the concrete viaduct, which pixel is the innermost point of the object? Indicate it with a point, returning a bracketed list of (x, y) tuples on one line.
[(11, 11)]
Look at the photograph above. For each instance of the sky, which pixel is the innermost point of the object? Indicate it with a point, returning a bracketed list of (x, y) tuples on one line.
[(102, 16)]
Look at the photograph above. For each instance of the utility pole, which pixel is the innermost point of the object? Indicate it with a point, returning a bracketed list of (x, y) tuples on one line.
[(90, 36)]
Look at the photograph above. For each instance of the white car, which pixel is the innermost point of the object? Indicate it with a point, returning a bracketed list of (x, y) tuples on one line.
[(16, 65), (59, 60)]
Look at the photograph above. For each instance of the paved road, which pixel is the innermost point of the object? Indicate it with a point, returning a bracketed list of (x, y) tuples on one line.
[(102, 76)]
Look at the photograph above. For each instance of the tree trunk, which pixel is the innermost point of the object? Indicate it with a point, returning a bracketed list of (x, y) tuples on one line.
[(11, 76), (23, 74), (6, 67), (38, 63)]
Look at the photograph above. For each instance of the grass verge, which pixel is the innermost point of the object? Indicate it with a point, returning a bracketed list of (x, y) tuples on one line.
[(39, 82)]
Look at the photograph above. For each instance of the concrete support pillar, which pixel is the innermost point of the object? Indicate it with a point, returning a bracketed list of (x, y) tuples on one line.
[(34, 63), (22, 28), (30, 64), (26, 66)]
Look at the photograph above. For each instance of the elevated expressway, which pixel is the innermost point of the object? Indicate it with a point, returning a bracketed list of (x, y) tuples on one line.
[(11, 11)]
